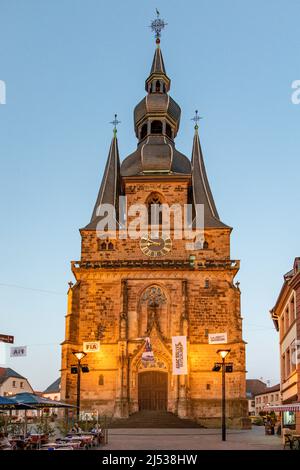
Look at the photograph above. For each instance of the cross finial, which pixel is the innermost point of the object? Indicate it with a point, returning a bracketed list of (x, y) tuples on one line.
[(196, 119), (115, 122), (157, 26)]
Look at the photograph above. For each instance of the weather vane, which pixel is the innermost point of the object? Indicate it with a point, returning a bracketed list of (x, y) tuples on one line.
[(157, 26), (196, 119), (115, 122)]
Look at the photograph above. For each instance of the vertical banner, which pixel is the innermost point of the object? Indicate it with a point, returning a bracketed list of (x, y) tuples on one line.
[(179, 355), (147, 355)]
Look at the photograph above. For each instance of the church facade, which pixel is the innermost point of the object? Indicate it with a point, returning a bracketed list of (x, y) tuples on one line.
[(129, 289)]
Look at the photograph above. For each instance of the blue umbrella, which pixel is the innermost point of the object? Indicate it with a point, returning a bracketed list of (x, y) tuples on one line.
[(36, 401), (11, 404)]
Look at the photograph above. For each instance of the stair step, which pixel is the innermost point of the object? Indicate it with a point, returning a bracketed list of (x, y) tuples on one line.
[(153, 419)]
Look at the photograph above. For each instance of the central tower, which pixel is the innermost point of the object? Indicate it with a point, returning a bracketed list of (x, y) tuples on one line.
[(130, 288)]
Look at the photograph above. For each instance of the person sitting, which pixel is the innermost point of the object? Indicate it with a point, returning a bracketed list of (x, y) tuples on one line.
[(4, 442), (76, 428), (97, 431)]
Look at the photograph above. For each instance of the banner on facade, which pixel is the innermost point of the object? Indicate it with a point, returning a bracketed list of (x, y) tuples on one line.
[(217, 338), (18, 351), (148, 355), (179, 355), (91, 346)]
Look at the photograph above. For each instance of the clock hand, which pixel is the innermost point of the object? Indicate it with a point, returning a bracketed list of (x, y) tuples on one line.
[(151, 242)]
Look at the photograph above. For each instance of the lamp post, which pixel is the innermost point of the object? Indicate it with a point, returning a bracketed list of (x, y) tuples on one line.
[(79, 356), (223, 353)]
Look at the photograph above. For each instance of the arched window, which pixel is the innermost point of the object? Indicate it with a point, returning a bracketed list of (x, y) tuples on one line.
[(156, 127), (103, 246), (168, 130), (144, 131), (205, 245), (157, 86), (154, 209), (164, 88), (110, 246)]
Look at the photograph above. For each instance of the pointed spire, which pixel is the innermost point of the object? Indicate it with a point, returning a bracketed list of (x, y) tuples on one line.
[(110, 186), (158, 70), (201, 190), (158, 66)]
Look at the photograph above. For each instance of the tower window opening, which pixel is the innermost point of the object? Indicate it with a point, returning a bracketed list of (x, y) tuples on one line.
[(157, 86), (168, 130), (164, 88), (144, 131), (156, 127), (101, 380), (106, 245), (155, 210)]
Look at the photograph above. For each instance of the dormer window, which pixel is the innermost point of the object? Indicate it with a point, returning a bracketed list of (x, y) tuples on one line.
[(156, 127)]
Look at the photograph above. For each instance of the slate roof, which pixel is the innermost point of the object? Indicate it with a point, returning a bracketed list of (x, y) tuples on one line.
[(54, 387), (6, 372), (255, 387)]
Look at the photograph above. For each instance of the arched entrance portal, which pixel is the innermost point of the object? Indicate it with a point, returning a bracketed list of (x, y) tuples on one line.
[(153, 390)]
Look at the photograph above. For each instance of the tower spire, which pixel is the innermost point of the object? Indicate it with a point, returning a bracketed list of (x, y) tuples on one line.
[(201, 190), (109, 191)]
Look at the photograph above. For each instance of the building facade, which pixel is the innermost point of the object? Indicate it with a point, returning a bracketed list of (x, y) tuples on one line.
[(269, 397), (286, 317), (12, 383), (253, 387), (157, 287), (53, 391)]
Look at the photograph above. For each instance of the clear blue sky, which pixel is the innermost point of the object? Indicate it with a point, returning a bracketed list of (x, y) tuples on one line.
[(69, 65)]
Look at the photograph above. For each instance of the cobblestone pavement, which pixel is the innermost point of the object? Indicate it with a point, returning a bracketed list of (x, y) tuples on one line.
[(191, 439)]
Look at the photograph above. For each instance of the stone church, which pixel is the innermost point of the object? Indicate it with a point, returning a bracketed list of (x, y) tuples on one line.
[(127, 290)]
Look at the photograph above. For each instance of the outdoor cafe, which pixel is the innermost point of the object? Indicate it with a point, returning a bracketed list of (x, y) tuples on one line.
[(44, 433)]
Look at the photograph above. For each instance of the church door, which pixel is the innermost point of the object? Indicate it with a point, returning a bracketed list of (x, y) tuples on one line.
[(153, 391)]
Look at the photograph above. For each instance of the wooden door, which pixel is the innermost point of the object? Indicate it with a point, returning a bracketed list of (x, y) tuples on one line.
[(153, 390)]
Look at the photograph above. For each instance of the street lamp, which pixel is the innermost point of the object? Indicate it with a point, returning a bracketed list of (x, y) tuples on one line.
[(223, 353), (79, 356)]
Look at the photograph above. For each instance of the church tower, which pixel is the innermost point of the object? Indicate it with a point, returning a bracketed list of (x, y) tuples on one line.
[(128, 289)]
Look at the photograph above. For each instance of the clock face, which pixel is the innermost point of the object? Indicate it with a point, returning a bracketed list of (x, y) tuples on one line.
[(158, 246)]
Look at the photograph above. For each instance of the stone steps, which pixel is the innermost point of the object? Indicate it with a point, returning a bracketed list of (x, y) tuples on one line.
[(153, 419)]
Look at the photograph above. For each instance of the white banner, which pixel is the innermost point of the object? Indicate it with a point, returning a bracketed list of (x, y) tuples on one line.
[(217, 338), (147, 355), (179, 355), (91, 346), (18, 351)]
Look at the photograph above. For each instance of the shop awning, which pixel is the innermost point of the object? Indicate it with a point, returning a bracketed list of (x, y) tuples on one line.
[(287, 407)]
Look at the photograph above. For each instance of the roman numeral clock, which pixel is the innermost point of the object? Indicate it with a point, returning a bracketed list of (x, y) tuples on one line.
[(155, 246)]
